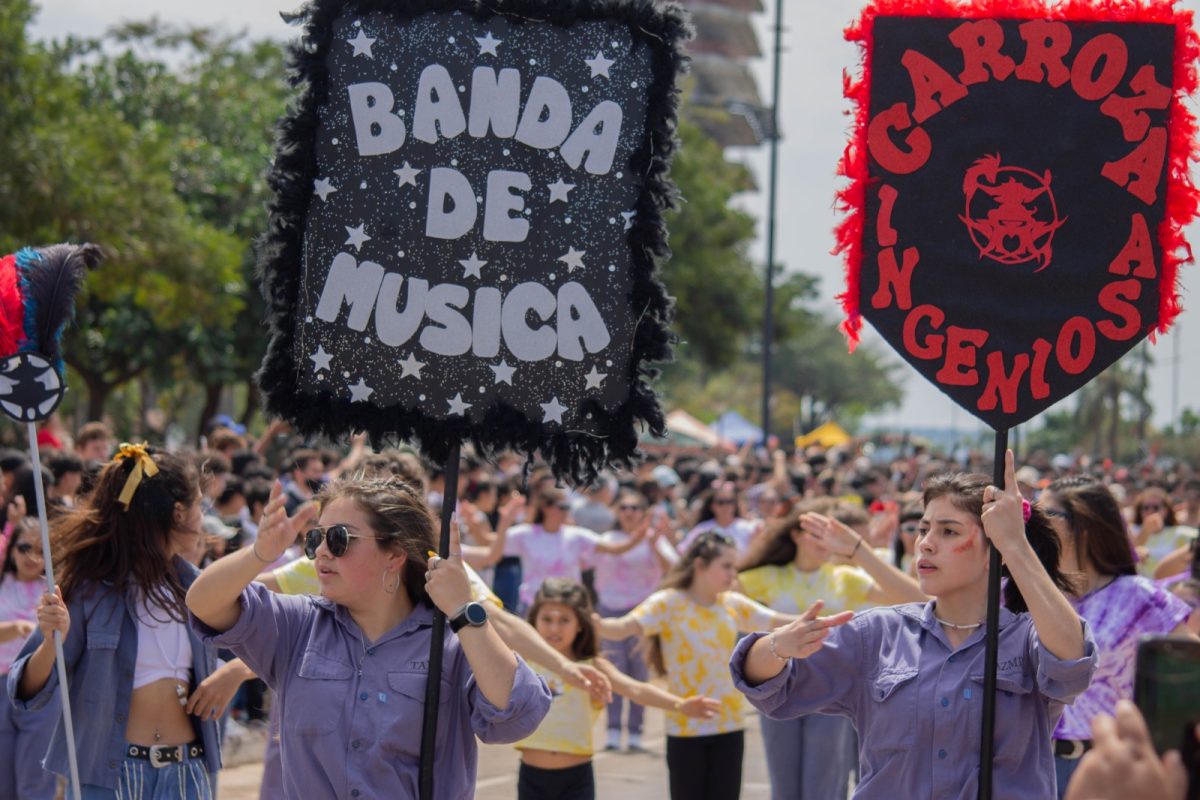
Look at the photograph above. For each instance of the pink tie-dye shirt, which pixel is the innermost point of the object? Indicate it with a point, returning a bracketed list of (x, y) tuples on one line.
[(565, 553), (1118, 614)]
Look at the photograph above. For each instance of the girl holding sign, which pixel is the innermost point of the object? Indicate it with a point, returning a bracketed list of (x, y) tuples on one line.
[(349, 668), (133, 664), (694, 620), (911, 676)]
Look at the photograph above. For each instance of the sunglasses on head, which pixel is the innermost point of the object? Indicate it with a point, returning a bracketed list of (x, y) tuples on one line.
[(723, 539), (336, 537)]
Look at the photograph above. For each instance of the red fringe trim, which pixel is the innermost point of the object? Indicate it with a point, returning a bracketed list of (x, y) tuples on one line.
[(12, 307), (1182, 199)]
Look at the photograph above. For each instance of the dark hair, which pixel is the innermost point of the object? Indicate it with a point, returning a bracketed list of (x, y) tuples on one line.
[(573, 595), (300, 458), (233, 488), (551, 495), (910, 512), (1095, 521), (401, 520), (62, 463), (103, 541), (965, 491), (91, 432), (27, 525), (775, 546), (1146, 494), (23, 485), (710, 494), (707, 548)]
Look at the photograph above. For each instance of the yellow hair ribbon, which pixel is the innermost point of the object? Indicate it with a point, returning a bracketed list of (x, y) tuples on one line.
[(143, 465)]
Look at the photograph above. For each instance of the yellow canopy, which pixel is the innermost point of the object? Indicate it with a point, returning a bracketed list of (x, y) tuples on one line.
[(829, 434)]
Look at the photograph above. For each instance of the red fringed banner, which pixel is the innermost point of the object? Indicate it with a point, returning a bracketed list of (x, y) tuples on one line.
[(1008, 163)]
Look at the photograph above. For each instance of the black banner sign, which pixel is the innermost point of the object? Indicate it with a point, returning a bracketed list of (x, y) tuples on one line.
[(472, 202)]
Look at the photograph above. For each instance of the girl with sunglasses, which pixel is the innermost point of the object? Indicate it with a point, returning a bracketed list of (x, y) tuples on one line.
[(24, 737), (623, 581), (133, 664), (719, 513), (349, 668), (1156, 532), (1120, 606), (693, 621), (556, 761), (548, 546), (910, 677), (789, 569)]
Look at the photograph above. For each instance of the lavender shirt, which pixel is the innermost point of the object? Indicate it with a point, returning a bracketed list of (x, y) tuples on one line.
[(916, 701), (350, 721), (1120, 614)]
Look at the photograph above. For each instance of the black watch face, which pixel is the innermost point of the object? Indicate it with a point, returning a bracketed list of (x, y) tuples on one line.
[(476, 614)]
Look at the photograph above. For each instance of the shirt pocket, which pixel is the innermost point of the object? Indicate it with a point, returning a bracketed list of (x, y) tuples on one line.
[(1014, 692), (408, 719), (322, 686), (893, 709)]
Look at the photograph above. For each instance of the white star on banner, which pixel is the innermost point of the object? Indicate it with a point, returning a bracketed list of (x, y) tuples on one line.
[(320, 359), (488, 44), (599, 65), (559, 189), (628, 215), (361, 44), (358, 236), (411, 367), (323, 188), (504, 373), (553, 411), (573, 259), (407, 174), (595, 378), (472, 265), (457, 406), (360, 392)]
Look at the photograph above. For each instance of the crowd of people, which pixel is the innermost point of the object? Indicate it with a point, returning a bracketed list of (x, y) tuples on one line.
[(841, 593)]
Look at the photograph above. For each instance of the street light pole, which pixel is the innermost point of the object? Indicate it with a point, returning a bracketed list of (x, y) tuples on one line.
[(769, 273)]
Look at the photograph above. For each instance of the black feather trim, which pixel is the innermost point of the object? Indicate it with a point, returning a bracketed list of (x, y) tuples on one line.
[(51, 277), (574, 457)]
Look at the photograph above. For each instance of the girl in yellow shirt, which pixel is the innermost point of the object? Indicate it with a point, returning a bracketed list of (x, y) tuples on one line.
[(556, 760)]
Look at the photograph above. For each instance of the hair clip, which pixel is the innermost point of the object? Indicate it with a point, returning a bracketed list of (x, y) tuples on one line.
[(1026, 509), (143, 465)]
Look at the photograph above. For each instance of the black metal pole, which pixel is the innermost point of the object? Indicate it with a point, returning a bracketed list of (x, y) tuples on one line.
[(433, 682), (991, 651), (769, 273)]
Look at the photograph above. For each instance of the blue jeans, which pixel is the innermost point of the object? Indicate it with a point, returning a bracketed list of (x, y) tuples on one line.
[(810, 757), (506, 581), (624, 657), (139, 780), (1064, 768), (24, 740)]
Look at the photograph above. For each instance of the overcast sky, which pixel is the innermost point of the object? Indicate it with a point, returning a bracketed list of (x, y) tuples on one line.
[(814, 128)]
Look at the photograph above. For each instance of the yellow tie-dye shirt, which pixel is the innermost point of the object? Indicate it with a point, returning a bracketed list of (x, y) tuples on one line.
[(697, 642), (790, 591), (568, 726)]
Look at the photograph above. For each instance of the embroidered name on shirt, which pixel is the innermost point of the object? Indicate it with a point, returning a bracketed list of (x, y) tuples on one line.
[(421, 666), (1015, 663)]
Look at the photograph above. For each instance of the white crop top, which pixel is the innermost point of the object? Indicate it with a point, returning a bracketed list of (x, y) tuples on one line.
[(164, 649)]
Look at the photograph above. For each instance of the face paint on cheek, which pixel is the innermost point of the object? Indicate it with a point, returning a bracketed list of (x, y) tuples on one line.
[(971, 540)]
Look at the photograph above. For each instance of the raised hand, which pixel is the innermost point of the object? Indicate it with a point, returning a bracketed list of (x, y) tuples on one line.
[(806, 635), (834, 536), (446, 579), (276, 530), (52, 615), (1003, 518)]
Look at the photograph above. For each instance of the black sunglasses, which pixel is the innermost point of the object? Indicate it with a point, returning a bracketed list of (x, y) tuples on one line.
[(25, 548), (336, 537), (631, 508)]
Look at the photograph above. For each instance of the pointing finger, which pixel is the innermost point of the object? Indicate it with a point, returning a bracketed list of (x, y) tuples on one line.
[(1010, 474), (813, 610)]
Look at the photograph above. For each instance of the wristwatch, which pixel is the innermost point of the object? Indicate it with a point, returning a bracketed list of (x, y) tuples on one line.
[(473, 614)]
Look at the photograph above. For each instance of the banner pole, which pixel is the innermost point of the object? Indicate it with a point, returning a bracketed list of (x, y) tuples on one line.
[(992, 646), (60, 662), (433, 682)]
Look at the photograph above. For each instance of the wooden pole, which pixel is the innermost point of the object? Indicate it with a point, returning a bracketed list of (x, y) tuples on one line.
[(433, 682), (992, 646)]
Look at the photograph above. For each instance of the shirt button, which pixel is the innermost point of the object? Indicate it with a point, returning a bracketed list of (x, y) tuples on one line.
[(951, 659), (945, 702), (354, 793), (881, 692), (120, 717), (362, 696), (112, 765), (356, 744), (370, 651), (941, 753)]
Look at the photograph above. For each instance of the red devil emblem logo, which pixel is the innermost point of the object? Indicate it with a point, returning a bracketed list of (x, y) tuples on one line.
[(1010, 212)]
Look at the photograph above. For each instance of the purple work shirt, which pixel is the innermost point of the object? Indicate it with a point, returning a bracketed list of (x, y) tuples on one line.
[(350, 721), (916, 702)]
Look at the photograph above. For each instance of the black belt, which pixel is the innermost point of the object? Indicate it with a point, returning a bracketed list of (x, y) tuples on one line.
[(161, 755), (1071, 749)]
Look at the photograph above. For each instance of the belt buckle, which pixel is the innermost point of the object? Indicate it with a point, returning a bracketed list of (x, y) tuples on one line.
[(163, 756)]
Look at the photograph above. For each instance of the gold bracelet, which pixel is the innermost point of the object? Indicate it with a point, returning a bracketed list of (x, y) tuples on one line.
[(774, 652)]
